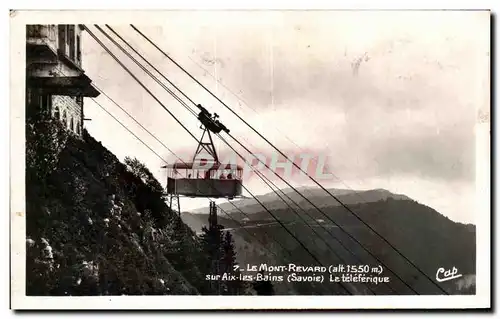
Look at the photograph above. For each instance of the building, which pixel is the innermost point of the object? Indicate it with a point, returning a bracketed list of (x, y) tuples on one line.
[(55, 80)]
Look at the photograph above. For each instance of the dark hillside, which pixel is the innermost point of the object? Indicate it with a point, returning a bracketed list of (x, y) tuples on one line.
[(95, 226), (427, 238)]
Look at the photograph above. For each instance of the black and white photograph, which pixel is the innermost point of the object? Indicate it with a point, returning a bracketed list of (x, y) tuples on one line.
[(173, 159)]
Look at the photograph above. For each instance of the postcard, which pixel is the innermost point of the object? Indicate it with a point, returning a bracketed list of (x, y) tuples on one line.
[(250, 159)]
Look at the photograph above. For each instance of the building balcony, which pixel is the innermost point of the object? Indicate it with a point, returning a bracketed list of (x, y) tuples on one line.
[(49, 68), (41, 33), (63, 85), (41, 42)]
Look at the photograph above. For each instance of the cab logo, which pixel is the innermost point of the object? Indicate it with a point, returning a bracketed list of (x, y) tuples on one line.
[(445, 275)]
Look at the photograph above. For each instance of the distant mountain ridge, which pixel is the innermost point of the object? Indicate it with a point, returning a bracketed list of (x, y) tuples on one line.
[(316, 195), (426, 237)]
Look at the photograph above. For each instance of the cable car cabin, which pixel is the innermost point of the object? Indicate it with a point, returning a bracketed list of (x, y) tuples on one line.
[(191, 179)]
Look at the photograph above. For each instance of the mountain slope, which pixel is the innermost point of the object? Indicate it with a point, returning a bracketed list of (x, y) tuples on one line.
[(427, 238), (95, 226)]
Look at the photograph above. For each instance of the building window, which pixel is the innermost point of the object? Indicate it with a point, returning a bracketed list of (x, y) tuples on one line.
[(71, 126), (45, 103), (56, 113), (64, 118), (78, 128), (71, 41), (52, 32), (29, 98), (61, 30), (78, 49), (79, 100)]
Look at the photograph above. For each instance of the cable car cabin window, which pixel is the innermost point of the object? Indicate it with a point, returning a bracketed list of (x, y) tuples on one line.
[(217, 182), (178, 173), (190, 173), (223, 174)]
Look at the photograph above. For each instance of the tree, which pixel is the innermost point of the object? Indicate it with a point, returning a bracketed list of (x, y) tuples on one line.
[(263, 287), (228, 263), (211, 242), (147, 192), (141, 171)]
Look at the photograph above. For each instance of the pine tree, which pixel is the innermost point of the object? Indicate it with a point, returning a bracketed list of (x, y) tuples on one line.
[(211, 239), (263, 287), (220, 255), (228, 262)]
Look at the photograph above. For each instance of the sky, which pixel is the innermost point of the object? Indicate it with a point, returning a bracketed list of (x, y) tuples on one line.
[(389, 98)]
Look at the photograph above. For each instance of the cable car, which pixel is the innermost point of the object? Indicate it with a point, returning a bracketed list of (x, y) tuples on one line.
[(197, 179), (205, 177)]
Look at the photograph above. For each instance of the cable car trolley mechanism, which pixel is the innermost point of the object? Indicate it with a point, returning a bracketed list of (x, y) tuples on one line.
[(205, 177)]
